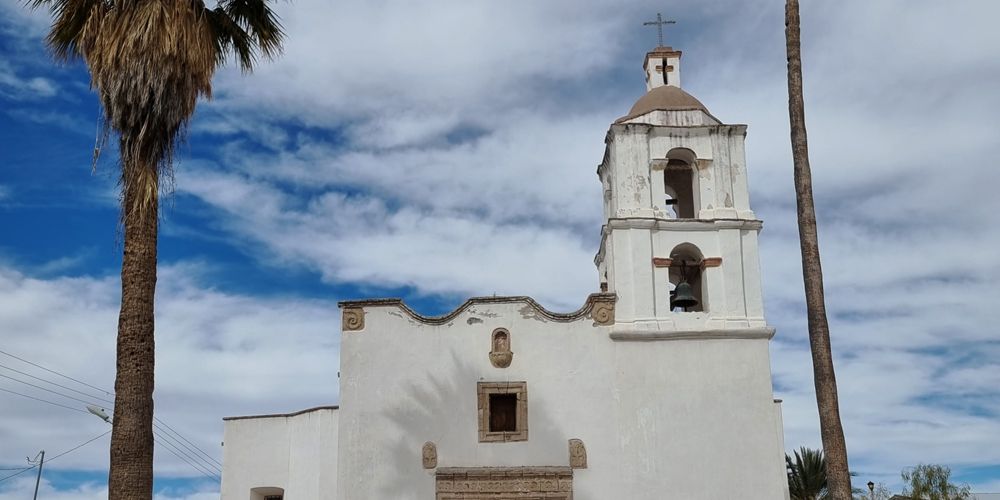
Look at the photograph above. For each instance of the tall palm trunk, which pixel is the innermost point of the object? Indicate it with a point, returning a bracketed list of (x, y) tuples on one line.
[(834, 447), (132, 436)]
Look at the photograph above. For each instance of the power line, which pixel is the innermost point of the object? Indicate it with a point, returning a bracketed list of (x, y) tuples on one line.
[(188, 442), (166, 445), (208, 475), (196, 458), (18, 473), (163, 432), (84, 401), (81, 445), (77, 447), (55, 372), (58, 385), (43, 400)]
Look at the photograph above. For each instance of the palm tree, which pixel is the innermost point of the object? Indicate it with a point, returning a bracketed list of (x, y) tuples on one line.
[(149, 61), (806, 475), (824, 377)]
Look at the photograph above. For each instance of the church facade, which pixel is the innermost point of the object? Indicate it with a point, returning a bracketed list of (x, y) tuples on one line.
[(659, 386)]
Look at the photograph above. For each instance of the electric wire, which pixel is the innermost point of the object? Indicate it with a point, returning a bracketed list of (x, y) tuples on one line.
[(206, 474), (84, 401), (178, 445), (163, 433), (18, 473), (206, 455), (188, 459), (44, 401), (77, 447), (58, 385), (55, 372)]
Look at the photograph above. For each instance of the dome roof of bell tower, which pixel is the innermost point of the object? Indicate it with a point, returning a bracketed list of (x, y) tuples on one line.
[(666, 98)]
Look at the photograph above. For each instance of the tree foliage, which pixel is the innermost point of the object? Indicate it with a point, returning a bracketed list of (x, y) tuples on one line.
[(806, 474), (881, 492), (933, 482)]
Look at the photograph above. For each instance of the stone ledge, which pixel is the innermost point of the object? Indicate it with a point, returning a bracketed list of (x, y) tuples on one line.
[(766, 333), (507, 472)]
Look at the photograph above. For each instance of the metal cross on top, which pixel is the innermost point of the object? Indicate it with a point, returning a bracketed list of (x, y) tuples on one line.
[(659, 22)]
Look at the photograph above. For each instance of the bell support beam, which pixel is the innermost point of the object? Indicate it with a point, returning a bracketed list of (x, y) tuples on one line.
[(668, 262)]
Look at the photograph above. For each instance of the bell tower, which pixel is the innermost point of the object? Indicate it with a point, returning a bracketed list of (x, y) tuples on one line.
[(692, 374), (679, 240)]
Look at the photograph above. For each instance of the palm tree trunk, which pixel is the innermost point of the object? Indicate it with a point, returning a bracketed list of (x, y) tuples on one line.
[(131, 474), (834, 447)]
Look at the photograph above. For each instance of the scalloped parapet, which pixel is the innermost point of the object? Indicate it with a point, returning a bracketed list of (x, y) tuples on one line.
[(599, 306)]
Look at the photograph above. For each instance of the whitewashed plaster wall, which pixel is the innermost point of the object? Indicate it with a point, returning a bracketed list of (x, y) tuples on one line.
[(295, 452), (655, 417)]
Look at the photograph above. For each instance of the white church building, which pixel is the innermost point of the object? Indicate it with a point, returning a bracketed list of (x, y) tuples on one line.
[(658, 387)]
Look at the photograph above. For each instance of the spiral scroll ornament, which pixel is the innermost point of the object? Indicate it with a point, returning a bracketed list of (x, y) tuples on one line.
[(603, 313), (353, 319)]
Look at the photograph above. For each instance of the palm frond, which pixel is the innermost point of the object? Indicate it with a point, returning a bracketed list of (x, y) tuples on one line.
[(249, 27), (806, 474), (75, 24)]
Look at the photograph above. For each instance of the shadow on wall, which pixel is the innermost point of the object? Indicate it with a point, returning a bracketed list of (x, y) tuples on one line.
[(433, 402)]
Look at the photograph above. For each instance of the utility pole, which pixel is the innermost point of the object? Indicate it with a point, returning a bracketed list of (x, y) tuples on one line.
[(41, 462)]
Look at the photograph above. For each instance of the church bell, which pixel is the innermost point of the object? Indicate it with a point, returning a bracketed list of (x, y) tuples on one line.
[(683, 296)]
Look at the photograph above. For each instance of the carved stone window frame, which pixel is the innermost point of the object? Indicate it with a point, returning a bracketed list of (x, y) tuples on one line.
[(483, 392)]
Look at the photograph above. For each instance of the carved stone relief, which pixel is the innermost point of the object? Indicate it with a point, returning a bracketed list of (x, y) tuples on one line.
[(353, 319), (500, 355), (430, 455), (577, 454), (504, 483), (603, 313)]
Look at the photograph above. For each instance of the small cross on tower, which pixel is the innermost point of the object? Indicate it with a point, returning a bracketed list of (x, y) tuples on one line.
[(659, 22)]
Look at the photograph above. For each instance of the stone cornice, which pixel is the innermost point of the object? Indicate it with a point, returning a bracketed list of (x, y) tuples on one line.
[(681, 224), (282, 415), (672, 225), (766, 333), (599, 306), (729, 128)]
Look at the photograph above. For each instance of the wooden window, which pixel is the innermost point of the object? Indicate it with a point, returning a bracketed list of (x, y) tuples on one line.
[(503, 411)]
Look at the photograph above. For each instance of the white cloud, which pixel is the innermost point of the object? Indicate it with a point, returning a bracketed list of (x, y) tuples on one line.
[(451, 148), (218, 354), (900, 125), (14, 85)]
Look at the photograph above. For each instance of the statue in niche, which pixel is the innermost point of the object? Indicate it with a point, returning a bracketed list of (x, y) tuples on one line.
[(577, 454), (500, 355), (430, 455)]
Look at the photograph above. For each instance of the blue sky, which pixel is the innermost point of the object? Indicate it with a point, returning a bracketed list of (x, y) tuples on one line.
[(445, 150)]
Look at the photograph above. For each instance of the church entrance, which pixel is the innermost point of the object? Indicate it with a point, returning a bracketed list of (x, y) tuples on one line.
[(504, 483)]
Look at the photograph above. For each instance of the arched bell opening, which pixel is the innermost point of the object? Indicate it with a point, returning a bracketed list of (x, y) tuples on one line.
[(680, 184), (687, 292)]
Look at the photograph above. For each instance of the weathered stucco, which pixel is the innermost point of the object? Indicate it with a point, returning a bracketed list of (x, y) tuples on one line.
[(295, 452)]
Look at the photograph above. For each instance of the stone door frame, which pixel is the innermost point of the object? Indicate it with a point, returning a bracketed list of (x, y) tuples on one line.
[(504, 483)]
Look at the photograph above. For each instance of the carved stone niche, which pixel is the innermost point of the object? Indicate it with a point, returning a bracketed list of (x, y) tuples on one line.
[(577, 454), (429, 455), (500, 355)]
